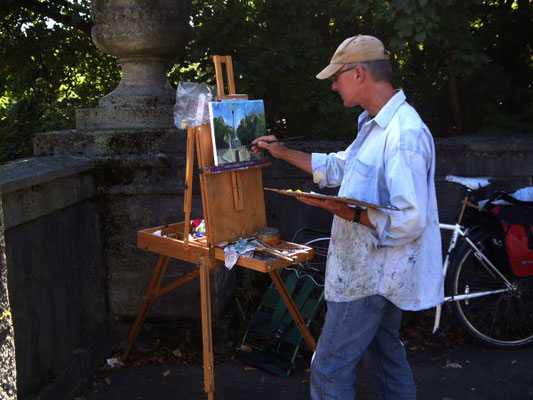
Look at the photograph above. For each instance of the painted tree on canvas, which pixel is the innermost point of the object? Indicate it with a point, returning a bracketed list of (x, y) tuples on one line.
[(223, 132), (251, 127)]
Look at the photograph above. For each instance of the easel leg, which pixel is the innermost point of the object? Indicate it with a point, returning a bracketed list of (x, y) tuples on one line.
[(207, 345), (150, 295), (293, 310)]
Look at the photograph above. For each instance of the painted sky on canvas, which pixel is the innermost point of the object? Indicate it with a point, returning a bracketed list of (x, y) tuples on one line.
[(242, 109)]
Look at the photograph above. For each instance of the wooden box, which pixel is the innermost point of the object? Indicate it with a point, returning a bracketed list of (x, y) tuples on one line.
[(169, 241)]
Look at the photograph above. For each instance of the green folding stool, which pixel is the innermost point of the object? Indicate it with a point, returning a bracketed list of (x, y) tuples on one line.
[(272, 336)]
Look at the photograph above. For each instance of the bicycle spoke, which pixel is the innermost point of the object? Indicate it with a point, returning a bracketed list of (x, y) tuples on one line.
[(499, 319)]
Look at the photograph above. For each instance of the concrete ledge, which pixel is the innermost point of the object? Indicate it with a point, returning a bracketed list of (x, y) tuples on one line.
[(34, 187), (501, 156), (491, 142), (123, 118), (27, 172), (102, 143)]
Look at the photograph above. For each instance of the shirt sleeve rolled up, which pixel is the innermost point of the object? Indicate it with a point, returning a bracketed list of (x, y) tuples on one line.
[(328, 169), (406, 176)]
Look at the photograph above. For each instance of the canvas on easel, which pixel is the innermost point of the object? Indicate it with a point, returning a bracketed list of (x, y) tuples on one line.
[(235, 124), (233, 201)]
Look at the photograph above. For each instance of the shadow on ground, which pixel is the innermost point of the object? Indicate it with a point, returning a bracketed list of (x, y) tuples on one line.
[(453, 368)]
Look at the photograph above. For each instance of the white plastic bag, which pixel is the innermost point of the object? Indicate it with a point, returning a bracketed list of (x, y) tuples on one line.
[(524, 194), (191, 108)]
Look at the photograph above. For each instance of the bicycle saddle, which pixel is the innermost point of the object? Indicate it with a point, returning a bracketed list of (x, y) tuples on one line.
[(470, 183)]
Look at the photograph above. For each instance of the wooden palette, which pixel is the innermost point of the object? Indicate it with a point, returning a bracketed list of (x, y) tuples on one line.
[(330, 197)]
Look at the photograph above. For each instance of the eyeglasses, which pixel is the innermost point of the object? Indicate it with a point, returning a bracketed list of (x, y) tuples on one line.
[(336, 75)]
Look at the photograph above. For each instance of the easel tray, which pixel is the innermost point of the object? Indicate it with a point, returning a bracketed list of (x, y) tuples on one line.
[(169, 241)]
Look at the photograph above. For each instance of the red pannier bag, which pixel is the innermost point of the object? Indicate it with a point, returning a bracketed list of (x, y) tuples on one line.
[(517, 224)]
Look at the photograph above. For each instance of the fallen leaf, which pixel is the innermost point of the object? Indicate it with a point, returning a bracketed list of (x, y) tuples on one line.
[(434, 358), (447, 398), (177, 352), (248, 368), (166, 373), (513, 362), (114, 362), (453, 365), (307, 370), (107, 380), (246, 348), (305, 381)]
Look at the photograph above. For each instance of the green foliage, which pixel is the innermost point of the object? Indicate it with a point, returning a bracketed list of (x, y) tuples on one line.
[(278, 47), (47, 70), (464, 64)]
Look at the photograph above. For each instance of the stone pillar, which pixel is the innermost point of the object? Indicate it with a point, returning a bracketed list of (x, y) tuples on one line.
[(8, 371), (140, 155), (144, 35)]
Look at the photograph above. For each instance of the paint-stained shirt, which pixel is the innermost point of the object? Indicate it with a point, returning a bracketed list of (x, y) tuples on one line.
[(391, 163)]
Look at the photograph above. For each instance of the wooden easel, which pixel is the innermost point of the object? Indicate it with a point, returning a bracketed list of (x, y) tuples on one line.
[(233, 206)]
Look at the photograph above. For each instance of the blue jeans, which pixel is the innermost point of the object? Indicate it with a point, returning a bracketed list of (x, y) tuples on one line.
[(350, 329)]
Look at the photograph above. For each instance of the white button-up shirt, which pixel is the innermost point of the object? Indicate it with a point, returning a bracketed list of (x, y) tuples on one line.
[(390, 163)]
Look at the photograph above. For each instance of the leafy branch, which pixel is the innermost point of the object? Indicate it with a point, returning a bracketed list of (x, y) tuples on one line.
[(61, 11)]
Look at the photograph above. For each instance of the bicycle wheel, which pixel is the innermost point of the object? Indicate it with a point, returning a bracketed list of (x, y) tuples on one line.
[(314, 268), (503, 319)]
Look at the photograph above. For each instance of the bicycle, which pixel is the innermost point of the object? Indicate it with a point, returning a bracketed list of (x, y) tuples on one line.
[(493, 305)]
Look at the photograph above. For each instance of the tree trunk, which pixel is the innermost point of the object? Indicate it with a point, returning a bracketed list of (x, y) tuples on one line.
[(456, 105)]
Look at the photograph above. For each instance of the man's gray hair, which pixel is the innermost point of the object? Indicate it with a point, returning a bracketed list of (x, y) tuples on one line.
[(379, 70)]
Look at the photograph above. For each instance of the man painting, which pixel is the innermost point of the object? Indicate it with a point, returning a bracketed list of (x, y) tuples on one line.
[(379, 261)]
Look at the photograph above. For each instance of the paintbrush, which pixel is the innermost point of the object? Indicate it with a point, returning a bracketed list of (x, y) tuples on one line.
[(289, 139)]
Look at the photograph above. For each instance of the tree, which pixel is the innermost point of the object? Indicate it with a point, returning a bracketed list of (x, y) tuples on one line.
[(449, 56), (48, 68), (466, 65)]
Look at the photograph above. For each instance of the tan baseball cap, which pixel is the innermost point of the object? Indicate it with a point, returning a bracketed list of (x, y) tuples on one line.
[(355, 49)]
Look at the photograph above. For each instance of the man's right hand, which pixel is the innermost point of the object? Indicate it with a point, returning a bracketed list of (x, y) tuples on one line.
[(278, 150), (264, 143)]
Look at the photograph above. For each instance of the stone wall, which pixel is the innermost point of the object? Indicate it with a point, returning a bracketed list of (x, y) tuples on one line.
[(55, 277), (506, 158), (70, 228), (140, 175)]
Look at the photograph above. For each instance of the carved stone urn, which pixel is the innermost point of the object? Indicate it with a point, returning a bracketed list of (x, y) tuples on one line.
[(144, 35)]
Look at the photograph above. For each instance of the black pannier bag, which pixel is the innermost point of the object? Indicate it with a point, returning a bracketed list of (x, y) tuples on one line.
[(516, 230)]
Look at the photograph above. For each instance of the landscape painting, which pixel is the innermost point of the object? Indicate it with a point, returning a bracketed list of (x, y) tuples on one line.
[(234, 126)]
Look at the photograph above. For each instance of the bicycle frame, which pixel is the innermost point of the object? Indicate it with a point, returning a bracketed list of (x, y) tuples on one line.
[(458, 230)]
